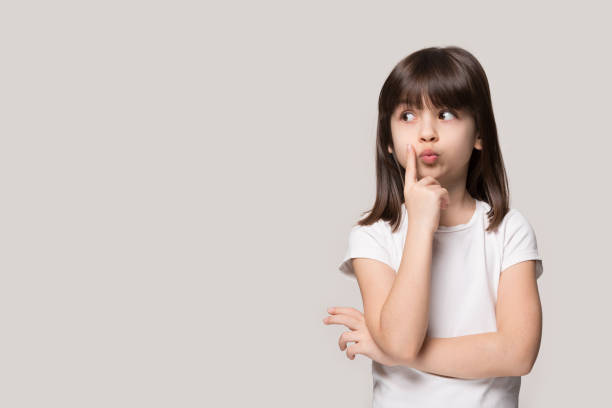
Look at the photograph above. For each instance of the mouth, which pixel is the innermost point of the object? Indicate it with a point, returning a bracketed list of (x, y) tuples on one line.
[(429, 158), (428, 152)]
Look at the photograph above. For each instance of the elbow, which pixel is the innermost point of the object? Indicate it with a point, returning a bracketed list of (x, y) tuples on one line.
[(524, 362), (408, 358), (397, 351), (524, 366), (413, 348), (401, 349), (520, 355), (520, 369), (405, 352)]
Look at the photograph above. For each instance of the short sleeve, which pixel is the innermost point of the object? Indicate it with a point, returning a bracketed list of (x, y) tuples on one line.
[(520, 242), (363, 242)]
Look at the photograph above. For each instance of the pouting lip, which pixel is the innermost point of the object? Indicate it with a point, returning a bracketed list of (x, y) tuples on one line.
[(428, 152)]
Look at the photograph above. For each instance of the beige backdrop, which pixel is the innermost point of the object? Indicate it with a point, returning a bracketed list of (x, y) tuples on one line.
[(179, 179)]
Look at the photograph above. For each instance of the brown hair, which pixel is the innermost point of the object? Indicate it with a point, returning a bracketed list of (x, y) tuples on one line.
[(449, 77)]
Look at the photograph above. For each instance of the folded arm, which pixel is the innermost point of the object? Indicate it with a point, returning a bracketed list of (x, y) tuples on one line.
[(479, 355), (510, 351)]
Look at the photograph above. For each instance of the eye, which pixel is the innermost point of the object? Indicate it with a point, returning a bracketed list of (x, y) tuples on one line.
[(404, 114), (449, 111)]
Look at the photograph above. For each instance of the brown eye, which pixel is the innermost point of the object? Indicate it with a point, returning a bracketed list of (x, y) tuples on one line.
[(451, 112), (404, 114)]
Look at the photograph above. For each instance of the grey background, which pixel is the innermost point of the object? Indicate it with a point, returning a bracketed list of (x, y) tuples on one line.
[(179, 179)]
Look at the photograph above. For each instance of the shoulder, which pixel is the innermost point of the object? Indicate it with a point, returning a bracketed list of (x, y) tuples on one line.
[(515, 220), (518, 232), (519, 241), (379, 231), (366, 241)]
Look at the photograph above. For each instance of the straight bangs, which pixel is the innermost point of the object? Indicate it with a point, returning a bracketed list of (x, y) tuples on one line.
[(435, 82)]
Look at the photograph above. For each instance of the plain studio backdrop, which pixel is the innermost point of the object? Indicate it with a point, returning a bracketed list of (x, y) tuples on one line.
[(179, 178)]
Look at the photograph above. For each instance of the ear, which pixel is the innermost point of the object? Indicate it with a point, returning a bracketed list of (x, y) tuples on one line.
[(478, 142)]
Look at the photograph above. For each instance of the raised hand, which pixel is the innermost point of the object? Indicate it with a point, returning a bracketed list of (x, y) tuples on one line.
[(423, 197)]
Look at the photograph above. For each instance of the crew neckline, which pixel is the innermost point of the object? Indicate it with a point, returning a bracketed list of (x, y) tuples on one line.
[(452, 228)]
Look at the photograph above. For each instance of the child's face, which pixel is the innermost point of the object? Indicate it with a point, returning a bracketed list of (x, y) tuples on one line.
[(451, 134)]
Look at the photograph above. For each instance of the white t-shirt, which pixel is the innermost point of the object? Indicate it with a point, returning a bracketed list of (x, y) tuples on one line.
[(466, 265)]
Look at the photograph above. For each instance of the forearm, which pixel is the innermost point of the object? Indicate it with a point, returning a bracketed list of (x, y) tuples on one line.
[(481, 355), (405, 314)]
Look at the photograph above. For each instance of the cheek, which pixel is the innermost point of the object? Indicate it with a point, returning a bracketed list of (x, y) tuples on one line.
[(464, 142), (463, 153), (396, 135), (456, 154)]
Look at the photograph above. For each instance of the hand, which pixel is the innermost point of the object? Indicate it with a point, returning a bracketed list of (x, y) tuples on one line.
[(364, 343), (423, 198)]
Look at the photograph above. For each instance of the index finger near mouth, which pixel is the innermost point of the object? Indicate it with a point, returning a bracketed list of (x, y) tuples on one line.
[(411, 169)]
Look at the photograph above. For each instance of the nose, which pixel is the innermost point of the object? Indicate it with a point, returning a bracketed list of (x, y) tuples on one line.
[(428, 138), (428, 135), (427, 131)]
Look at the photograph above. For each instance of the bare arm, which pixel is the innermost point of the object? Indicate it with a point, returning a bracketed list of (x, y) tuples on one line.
[(481, 355), (405, 314), (510, 351)]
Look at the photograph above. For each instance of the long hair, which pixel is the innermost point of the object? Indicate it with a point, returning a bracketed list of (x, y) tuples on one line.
[(449, 77)]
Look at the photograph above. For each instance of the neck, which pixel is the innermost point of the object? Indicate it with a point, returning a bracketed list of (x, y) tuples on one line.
[(461, 208)]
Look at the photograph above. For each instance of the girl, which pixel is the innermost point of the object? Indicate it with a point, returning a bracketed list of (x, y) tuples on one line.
[(446, 269)]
